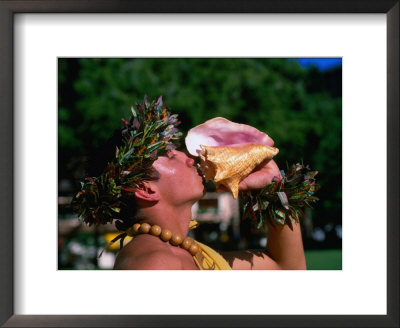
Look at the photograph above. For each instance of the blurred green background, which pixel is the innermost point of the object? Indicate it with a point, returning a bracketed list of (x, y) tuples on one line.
[(298, 102)]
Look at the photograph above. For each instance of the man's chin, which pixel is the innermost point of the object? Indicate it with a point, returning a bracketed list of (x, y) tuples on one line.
[(203, 192)]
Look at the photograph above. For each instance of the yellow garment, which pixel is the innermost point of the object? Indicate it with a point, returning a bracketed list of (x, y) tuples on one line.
[(210, 258), (108, 236)]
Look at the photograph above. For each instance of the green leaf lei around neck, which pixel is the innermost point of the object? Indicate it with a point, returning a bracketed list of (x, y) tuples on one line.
[(149, 133)]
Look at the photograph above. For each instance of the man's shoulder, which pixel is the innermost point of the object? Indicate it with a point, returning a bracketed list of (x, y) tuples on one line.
[(147, 254)]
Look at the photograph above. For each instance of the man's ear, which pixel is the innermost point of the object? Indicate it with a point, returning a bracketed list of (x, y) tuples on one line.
[(147, 192)]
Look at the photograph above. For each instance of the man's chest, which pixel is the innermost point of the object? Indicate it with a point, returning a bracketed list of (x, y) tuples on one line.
[(187, 261)]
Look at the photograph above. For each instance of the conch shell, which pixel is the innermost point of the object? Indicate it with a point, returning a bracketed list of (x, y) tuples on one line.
[(228, 151)]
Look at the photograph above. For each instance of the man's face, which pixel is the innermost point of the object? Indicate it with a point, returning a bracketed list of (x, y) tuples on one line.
[(179, 181)]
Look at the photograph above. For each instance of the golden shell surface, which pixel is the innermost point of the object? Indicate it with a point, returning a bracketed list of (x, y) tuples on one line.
[(227, 165)]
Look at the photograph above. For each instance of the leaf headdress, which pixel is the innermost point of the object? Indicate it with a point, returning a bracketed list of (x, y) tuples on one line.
[(149, 133)]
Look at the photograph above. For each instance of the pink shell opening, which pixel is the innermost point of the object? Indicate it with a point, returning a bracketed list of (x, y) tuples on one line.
[(222, 132)]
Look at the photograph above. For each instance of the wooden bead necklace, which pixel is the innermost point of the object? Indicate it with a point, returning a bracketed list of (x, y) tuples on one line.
[(166, 235)]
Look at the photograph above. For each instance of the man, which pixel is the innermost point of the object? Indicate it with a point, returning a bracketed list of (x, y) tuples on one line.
[(167, 202)]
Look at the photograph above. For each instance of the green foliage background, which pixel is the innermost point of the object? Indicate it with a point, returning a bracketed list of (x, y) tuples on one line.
[(295, 106)]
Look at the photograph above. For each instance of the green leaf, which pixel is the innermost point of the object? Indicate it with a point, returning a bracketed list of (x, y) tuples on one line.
[(283, 198), (133, 111)]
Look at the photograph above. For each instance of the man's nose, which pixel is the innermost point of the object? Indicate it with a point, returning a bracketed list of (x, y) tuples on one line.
[(189, 162)]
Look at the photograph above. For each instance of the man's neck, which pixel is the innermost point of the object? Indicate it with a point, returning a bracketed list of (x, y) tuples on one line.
[(174, 218)]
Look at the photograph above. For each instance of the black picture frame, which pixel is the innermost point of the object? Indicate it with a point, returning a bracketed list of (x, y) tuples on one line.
[(7, 11)]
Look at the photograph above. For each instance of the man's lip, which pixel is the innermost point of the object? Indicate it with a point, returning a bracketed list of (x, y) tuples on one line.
[(198, 171)]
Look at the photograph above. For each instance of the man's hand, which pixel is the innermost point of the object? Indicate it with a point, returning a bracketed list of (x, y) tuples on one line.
[(262, 176)]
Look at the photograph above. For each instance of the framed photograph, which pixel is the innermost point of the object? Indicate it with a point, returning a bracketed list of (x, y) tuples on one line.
[(36, 34)]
